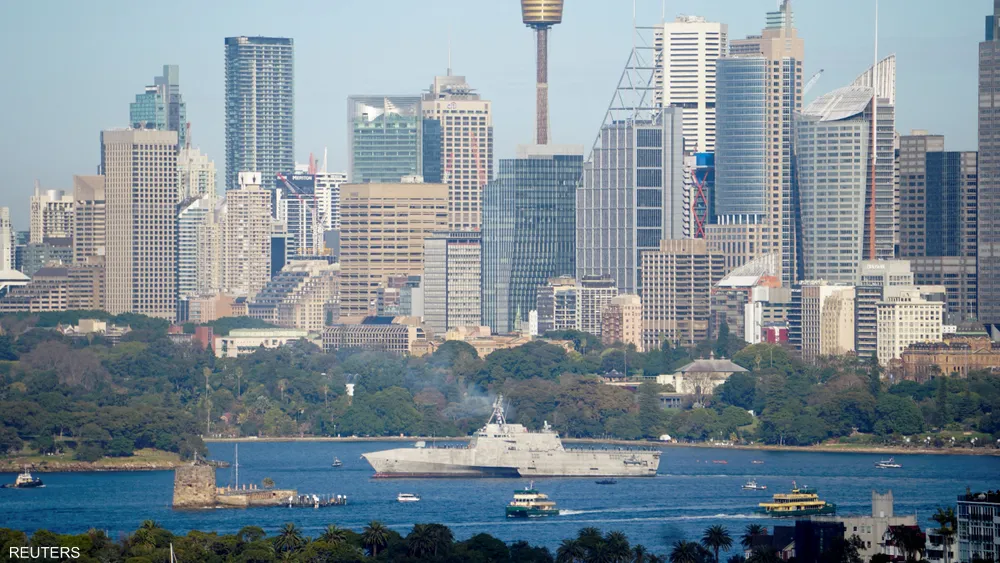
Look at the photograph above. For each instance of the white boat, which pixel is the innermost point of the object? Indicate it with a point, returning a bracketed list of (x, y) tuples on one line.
[(888, 464), (407, 497), (752, 485)]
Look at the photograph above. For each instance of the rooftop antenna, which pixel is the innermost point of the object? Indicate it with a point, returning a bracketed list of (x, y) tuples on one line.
[(449, 50), (324, 160)]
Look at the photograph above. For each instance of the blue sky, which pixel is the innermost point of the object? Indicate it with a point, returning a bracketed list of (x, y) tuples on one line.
[(71, 68)]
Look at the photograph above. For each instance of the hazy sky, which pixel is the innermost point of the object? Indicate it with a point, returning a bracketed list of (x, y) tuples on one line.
[(71, 68)]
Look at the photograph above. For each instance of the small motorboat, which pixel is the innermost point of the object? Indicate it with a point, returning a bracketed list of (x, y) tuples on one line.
[(888, 464), (24, 481), (757, 462), (606, 482), (720, 461), (337, 463), (407, 497), (752, 485)]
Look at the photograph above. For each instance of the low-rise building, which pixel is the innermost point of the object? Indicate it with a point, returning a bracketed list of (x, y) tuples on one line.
[(827, 316), (978, 534), (387, 334), (243, 341), (956, 355), (622, 321), (872, 528), (87, 328), (701, 376), (905, 317)]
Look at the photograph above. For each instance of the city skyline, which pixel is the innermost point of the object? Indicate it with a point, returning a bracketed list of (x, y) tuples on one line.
[(582, 72)]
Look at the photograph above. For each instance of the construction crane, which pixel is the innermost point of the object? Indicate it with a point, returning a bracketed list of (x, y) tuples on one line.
[(812, 82)]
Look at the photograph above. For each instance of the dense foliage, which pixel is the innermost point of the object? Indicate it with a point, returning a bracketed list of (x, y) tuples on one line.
[(86, 396)]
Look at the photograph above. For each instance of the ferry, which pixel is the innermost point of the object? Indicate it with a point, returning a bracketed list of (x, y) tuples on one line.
[(407, 497), (887, 464), (24, 481), (529, 503), (802, 501), (752, 485)]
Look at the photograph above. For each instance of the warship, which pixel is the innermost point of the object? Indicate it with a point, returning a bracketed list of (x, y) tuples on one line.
[(501, 449)]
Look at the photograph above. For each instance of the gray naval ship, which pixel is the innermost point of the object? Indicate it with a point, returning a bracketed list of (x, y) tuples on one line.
[(500, 449)]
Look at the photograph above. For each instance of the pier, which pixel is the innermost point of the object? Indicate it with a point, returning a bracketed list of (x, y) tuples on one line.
[(316, 501)]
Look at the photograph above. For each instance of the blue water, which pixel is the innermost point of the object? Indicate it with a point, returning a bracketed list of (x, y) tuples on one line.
[(688, 495)]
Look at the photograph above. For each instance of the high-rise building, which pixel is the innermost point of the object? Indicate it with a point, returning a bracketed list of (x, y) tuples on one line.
[(296, 205), (988, 204), (245, 230), (6, 240), (686, 52), (192, 216), (817, 298), (161, 106), (465, 154), (528, 230), (89, 219), (839, 228), (327, 190), (677, 283), (631, 198), (938, 217), (873, 277), (622, 321), (906, 317), (451, 281), (383, 228), (759, 88), (140, 185), (195, 174), (913, 150), (383, 138), (51, 215), (260, 107), (593, 294), (556, 303)]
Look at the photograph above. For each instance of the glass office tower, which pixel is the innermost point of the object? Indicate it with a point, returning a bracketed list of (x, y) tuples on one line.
[(383, 138), (161, 106), (528, 230)]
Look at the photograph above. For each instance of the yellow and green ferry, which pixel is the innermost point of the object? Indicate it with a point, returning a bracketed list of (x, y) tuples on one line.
[(529, 503), (802, 501)]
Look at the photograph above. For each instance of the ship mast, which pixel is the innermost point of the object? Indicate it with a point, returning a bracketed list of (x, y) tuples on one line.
[(498, 415)]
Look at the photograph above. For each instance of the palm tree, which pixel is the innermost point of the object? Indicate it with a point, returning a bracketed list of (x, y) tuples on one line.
[(590, 537), (639, 554), (289, 538), (752, 531), (685, 552), (333, 535), (618, 548), (909, 539), (375, 536), (250, 534), (570, 551), (947, 522), (736, 559), (441, 537), (716, 537), (419, 542), (153, 524)]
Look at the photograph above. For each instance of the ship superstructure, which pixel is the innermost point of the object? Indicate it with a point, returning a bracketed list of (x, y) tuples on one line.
[(501, 449)]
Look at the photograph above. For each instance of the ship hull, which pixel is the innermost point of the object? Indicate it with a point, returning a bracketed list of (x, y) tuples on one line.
[(468, 463)]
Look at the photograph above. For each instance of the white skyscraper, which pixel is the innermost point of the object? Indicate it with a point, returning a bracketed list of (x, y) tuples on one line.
[(140, 184), (6, 240), (246, 237), (327, 188), (51, 215), (686, 52), (466, 147), (193, 254), (195, 174)]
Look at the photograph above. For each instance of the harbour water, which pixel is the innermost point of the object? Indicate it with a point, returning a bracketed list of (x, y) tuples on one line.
[(690, 493)]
